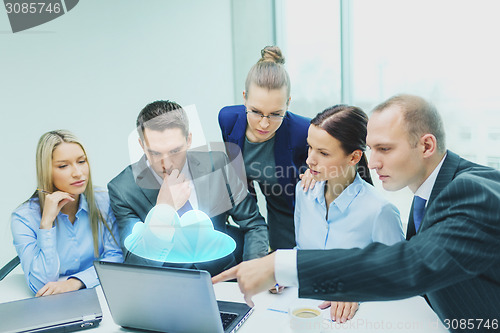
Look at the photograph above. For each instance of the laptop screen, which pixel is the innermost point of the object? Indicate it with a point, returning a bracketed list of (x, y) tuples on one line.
[(162, 299)]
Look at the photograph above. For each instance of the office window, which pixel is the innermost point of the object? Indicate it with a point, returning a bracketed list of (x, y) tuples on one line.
[(494, 162), (309, 34), (465, 133), (444, 51), (494, 134)]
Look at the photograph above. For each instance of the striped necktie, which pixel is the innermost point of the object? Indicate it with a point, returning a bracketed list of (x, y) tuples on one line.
[(418, 211)]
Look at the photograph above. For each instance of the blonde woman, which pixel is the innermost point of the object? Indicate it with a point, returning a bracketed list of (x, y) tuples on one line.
[(65, 225)]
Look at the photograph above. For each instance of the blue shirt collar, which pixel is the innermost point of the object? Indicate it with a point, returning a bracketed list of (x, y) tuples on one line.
[(318, 192), (83, 204), (344, 199)]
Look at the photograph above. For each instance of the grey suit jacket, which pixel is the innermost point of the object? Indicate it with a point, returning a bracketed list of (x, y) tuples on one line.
[(454, 258), (219, 192)]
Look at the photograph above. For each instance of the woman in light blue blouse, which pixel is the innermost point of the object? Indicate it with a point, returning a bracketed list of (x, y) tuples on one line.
[(65, 225), (343, 210)]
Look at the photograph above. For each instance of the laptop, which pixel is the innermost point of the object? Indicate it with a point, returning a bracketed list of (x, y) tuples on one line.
[(166, 299), (67, 312)]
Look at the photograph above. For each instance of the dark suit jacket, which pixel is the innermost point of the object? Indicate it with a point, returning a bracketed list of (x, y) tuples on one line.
[(454, 258), (290, 154), (219, 192)]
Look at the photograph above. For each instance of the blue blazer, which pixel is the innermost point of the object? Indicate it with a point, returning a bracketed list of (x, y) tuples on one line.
[(454, 258), (290, 145)]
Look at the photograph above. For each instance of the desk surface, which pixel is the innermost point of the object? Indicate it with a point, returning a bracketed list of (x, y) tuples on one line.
[(408, 315)]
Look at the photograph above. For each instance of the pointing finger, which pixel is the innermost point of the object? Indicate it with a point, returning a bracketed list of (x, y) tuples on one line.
[(226, 275), (248, 300)]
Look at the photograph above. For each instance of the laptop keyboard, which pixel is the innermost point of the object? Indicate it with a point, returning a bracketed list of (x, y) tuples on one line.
[(227, 318)]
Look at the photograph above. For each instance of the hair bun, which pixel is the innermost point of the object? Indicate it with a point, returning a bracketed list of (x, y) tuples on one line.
[(273, 54)]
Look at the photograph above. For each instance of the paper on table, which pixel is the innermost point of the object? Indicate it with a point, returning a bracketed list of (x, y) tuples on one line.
[(284, 299), (287, 297)]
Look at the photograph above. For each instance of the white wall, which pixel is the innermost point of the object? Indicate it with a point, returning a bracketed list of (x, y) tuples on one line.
[(93, 69), (253, 29)]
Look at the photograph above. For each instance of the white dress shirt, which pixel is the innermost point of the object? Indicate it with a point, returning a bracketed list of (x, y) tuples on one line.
[(425, 190)]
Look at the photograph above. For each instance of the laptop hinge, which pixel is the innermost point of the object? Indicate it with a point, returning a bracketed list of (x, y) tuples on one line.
[(89, 317)]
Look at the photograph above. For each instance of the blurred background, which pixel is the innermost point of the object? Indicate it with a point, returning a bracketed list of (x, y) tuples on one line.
[(93, 69)]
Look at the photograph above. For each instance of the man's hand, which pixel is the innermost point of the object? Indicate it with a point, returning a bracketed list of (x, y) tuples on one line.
[(277, 289), (174, 191), (340, 312), (59, 287), (254, 276)]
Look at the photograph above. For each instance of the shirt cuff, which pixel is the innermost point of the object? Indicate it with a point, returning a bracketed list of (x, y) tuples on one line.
[(88, 277), (46, 241), (285, 268)]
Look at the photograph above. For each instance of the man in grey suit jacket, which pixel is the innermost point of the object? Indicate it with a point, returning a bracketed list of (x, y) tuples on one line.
[(453, 252), (169, 173)]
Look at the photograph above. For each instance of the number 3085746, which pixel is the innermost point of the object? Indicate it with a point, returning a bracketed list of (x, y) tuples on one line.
[(32, 8), (471, 324)]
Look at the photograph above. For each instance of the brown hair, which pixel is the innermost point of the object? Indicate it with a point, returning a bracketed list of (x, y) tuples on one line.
[(160, 115), (269, 71), (348, 125)]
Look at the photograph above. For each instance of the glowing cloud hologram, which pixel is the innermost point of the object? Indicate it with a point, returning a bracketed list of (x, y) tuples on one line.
[(166, 237)]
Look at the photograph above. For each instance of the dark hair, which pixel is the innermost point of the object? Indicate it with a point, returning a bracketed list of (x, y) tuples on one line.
[(269, 71), (420, 116), (160, 115), (348, 125)]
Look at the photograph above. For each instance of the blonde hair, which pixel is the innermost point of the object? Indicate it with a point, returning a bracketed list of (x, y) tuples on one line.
[(46, 145), (269, 71)]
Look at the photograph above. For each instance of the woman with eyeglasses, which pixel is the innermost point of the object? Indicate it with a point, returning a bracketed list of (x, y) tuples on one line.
[(272, 141)]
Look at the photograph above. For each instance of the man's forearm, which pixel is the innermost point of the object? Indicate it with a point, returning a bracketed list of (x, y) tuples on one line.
[(256, 243)]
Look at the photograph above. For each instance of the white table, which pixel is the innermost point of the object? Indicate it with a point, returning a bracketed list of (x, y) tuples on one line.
[(408, 315)]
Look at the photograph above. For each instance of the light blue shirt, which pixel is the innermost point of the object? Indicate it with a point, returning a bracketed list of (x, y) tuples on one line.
[(66, 249), (356, 218)]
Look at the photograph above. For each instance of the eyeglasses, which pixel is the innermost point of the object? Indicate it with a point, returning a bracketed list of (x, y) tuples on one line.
[(255, 115)]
